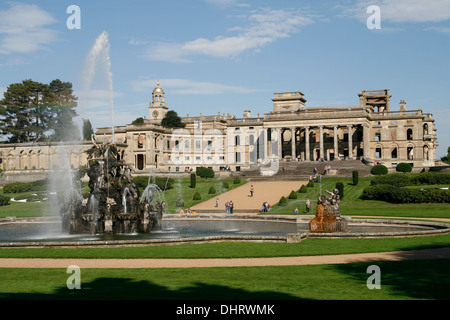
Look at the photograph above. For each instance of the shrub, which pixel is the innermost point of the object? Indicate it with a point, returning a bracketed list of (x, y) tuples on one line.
[(379, 169), (303, 189), (205, 172), (395, 179), (403, 167), (237, 180), (310, 184), (340, 187), (17, 187), (161, 182), (225, 185), (385, 192), (197, 196), (212, 190), (355, 176), (193, 180), (4, 200), (292, 195), (283, 202)]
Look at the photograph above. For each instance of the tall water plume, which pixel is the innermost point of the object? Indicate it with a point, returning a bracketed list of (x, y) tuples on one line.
[(97, 61)]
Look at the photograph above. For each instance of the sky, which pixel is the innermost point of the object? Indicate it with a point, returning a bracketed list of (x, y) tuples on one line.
[(227, 56)]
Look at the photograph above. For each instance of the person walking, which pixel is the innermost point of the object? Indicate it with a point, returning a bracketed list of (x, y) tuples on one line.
[(251, 190), (231, 207), (308, 204), (227, 207), (217, 202)]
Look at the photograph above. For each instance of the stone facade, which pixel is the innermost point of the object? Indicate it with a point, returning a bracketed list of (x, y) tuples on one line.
[(371, 132)]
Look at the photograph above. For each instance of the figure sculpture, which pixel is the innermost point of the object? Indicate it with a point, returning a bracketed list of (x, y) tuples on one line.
[(328, 217)]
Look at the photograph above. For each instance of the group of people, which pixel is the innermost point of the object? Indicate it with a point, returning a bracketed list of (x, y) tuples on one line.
[(326, 170), (308, 206), (229, 207), (265, 207)]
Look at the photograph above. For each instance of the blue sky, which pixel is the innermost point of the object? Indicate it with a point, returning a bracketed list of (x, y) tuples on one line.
[(230, 55)]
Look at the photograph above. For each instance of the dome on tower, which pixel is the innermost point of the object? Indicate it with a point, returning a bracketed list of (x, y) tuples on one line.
[(158, 89)]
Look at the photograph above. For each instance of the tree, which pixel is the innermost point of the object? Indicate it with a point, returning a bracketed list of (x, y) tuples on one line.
[(446, 159), (139, 121), (172, 120), (24, 113), (193, 180), (33, 112), (62, 103), (87, 129)]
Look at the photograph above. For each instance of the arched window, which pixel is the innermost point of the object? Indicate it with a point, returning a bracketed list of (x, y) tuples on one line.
[(409, 134), (425, 128)]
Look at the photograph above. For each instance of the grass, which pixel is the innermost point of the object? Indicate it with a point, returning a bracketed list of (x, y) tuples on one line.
[(399, 280), (181, 190), (308, 247), (353, 205)]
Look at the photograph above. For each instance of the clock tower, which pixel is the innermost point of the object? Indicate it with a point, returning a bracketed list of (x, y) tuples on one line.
[(158, 107)]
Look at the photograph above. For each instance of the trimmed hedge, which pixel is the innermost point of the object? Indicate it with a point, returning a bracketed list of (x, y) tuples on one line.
[(17, 187), (403, 167), (212, 190), (303, 189), (379, 169), (385, 192), (193, 180), (283, 202), (401, 180), (197, 196), (340, 187), (161, 182), (4, 200), (204, 172), (292, 195), (355, 177)]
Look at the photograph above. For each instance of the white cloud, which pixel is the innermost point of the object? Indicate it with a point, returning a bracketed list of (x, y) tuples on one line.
[(263, 27), (401, 10), (184, 86), (443, 30), (23, 29)]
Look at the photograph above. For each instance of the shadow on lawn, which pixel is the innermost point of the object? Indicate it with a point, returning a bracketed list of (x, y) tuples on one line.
[(130, 289), (409, 279)]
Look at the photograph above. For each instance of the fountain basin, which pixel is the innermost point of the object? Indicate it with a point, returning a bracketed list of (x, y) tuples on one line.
[(46, 232)]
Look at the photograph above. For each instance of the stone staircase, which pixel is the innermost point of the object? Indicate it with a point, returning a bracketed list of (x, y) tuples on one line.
[(294, 170)]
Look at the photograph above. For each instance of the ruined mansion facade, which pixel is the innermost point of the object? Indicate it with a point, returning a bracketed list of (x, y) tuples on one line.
[(291, 131)]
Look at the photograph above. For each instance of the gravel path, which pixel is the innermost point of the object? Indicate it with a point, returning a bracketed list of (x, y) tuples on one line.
[(440, 253)]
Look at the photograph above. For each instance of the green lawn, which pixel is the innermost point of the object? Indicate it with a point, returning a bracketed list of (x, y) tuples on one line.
[(353, 205), (399, 280), (181, 189)]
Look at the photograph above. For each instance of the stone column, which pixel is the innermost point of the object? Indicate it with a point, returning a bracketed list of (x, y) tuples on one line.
[(350, 141), (307, 151), (366, 141), (335, 138), (293, 152), (280, 137), (321, 142), (268, 143)]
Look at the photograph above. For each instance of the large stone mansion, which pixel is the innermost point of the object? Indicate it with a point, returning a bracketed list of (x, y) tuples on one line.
[(291, 131)]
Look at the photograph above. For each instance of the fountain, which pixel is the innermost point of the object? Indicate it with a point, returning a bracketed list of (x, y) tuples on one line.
[(328, 218), (114, 204)]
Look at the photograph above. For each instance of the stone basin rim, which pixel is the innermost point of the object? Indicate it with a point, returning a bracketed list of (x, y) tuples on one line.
[(437, 229)]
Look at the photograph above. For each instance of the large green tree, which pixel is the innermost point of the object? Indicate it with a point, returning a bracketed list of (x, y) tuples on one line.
[(172, 120), (31, 111)]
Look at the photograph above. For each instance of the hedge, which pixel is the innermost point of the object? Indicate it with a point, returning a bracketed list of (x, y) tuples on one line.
[(17, 187), (205, 172), (340, 187), (193, 180), (4, 200), (379, 169), (403, 167), (385, 192), (161, 182), (303, 189), (212, 190), (283, 202), (197, 196), (292, 195), (401, 180)]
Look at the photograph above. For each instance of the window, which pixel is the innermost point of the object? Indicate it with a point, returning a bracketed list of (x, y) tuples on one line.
[(409, 134), (394, 153), (378, 153), (425, 128), (377, 136), (140, 142)]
